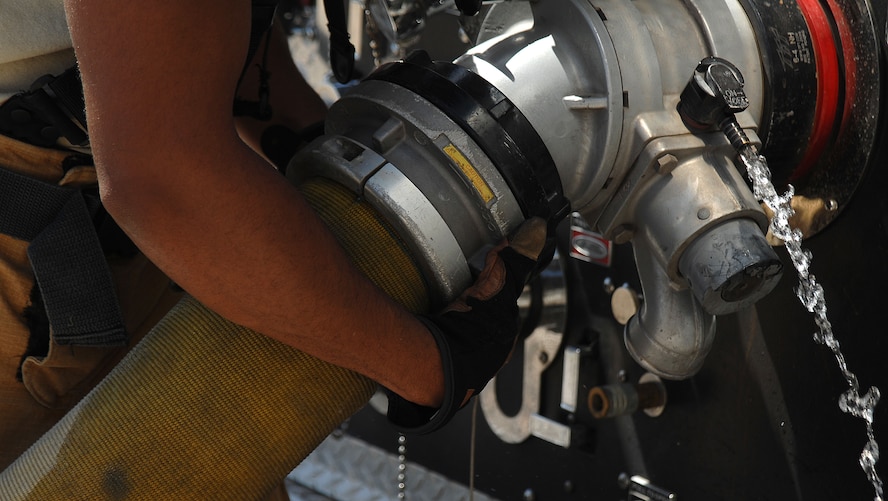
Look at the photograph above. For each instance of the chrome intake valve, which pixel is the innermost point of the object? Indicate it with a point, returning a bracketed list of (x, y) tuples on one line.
[(566, 106)]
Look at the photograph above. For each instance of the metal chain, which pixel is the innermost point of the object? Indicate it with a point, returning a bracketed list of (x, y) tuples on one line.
[(402, 466), (402, 458)]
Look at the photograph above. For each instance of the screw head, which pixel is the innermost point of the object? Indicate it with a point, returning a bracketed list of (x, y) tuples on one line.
[(831, 205)]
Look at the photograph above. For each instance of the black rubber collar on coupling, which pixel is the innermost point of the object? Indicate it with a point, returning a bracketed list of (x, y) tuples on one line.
[(494, 123)]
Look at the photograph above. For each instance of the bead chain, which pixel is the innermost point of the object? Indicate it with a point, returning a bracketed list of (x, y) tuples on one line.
[(402, 467)]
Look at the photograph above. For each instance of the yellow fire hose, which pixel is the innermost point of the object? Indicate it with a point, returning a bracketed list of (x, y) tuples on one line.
[(205, 409)]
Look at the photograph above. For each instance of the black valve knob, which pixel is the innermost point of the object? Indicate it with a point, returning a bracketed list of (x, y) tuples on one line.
[(468, 7), (714, 92)]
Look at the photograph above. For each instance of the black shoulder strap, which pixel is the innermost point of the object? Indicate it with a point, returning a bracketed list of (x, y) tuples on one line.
[(262, 18)]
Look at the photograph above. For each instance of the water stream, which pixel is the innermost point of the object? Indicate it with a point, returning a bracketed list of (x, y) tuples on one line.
[(810, 293)]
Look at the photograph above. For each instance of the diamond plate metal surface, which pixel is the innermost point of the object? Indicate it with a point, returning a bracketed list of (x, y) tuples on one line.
[(345, 468)]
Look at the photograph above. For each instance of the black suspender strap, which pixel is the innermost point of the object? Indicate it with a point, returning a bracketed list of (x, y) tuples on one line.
[(67, 259), (342, 52), (261, 21)]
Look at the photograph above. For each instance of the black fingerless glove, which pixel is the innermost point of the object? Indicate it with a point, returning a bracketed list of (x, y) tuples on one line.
[(474, 345)]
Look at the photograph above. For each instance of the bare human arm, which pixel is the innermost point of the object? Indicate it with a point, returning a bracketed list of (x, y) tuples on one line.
[(159, 82)]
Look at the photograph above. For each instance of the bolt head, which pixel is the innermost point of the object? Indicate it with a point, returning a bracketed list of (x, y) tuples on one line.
[(666, 164), (623, 233)]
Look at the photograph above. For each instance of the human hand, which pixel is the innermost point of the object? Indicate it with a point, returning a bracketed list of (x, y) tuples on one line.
[(477, 332)]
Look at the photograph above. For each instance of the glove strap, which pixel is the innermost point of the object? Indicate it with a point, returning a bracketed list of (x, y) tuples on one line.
[(418, 419)]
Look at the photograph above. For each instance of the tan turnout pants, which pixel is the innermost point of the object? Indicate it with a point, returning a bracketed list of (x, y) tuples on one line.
[(53, 384)]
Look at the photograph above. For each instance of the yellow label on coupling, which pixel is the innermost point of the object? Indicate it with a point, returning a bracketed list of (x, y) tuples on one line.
[(471, 174)]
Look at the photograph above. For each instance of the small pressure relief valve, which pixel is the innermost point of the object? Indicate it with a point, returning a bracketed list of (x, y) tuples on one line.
[(731, 265), (714, 92), (712, 97)]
